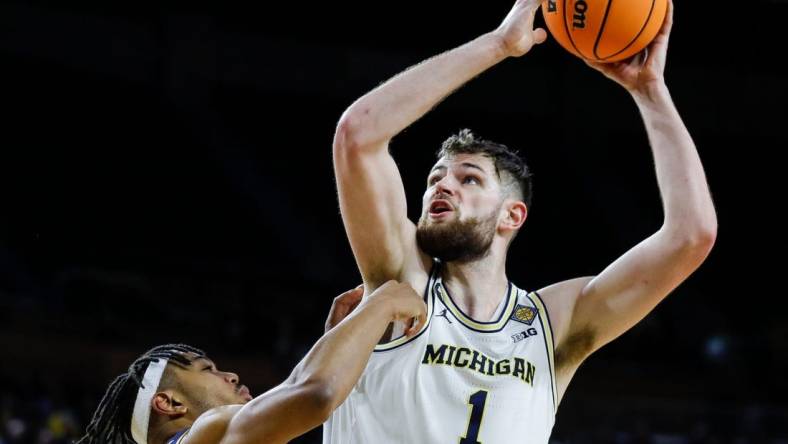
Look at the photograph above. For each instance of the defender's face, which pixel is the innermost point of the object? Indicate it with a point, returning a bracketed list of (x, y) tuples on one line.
[(459, 188), (208, 387)]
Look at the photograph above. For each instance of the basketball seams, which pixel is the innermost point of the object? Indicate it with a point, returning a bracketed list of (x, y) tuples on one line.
[(602, 29), (600, 34), (569, 33), (637, 36)]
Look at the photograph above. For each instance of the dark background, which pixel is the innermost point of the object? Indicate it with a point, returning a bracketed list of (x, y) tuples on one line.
[(165, 176)]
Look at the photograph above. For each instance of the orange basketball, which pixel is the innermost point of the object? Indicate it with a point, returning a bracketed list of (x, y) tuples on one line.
[(604, 30)]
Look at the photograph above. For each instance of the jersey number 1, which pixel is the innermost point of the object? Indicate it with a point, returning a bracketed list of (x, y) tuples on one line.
[(477, 401)]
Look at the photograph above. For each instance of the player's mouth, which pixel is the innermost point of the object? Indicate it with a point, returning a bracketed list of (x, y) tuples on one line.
[(440, 209), (244, 392)]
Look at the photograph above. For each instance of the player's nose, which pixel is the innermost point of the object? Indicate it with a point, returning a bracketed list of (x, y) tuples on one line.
[(445, 186), (231, 377)]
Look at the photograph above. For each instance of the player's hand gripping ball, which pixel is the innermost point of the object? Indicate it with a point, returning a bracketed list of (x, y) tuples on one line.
[(604, 30)]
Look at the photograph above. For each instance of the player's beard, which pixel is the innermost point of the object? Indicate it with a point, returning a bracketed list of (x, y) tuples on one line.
[(460, 241)]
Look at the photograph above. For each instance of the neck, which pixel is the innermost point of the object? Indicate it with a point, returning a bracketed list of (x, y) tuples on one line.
[(160, 434), (478, 287)]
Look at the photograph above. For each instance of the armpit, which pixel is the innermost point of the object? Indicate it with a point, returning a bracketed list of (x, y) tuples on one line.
[(574, 349)]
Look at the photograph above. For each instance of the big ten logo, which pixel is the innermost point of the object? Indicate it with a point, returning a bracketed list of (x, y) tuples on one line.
[(525, 334)]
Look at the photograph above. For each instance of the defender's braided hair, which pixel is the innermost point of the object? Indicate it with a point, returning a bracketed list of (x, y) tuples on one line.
[(111, 423)]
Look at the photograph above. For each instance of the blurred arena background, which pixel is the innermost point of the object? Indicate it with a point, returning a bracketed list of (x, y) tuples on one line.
[(165, 175)]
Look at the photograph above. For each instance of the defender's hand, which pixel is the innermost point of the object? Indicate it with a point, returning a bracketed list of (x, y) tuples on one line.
[(402, 303), (343, 305)]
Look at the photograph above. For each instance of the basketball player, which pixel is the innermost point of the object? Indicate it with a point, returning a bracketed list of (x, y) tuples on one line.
[(174, 394), (493, 361)]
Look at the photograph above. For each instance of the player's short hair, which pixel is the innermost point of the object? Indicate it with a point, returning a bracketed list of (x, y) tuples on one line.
[(111, 422), (512, 171)]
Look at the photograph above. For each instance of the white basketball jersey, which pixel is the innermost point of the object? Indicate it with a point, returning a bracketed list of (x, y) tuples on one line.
[(458, 381)]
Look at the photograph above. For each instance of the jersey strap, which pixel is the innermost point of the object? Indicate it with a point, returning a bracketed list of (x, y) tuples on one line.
[(544, 319)]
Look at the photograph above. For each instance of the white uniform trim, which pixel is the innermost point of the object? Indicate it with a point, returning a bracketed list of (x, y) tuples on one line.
[(544, 319), (492, 326), (150, 384)]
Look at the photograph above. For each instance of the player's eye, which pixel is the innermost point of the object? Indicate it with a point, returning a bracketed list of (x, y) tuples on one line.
[(470, 180)]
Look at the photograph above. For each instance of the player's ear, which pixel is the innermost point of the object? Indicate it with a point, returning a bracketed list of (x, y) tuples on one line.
[(515, 213), (169, 404)]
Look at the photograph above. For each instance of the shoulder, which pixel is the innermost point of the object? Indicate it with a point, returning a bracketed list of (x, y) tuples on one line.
[(210, 427)]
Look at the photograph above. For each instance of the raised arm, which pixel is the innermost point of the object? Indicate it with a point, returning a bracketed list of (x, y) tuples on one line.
[(371, 194), (598, 309), (321, 381)]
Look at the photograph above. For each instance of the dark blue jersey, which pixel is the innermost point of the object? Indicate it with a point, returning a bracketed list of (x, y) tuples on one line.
[(178, 437)]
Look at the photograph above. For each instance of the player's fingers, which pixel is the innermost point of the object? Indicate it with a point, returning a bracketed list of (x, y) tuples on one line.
[(422, 319), (667, 25), (532, 4), (415, 326), (353, 306), (331, 320), (596, 65), (411, 326), (540, 35), (661, 41), (419, 319), (422, 308), (351, 297), (342, 306)]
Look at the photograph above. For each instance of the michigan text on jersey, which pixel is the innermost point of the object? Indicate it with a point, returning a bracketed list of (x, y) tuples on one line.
[(463, 357)]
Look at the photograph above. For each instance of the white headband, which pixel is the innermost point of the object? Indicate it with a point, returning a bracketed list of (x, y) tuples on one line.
[(141, 415)]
